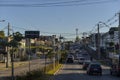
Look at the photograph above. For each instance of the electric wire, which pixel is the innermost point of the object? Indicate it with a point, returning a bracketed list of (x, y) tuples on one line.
[(65, 3)]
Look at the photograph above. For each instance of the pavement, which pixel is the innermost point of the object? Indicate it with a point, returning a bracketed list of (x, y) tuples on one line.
[(16, 64)]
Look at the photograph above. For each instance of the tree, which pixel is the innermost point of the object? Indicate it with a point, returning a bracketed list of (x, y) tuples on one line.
[(2, 35), (14, 43), (18, 36), (111, 44), (77, 39)]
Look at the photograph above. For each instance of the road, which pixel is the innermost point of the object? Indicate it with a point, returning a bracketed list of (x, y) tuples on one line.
[(74, 72)]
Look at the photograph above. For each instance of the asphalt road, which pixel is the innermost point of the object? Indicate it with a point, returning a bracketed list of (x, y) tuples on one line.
[(74, 72)]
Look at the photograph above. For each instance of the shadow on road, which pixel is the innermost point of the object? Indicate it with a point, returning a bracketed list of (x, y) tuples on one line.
[(84, 76)]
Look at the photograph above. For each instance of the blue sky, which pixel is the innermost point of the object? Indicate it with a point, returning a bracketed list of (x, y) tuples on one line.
[(58, 19)]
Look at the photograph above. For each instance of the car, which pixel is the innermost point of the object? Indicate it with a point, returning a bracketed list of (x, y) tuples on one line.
[(78, 56), (85, 54), (70, 59), (115, 69), (81, 60), (86, 64), (94, 68)]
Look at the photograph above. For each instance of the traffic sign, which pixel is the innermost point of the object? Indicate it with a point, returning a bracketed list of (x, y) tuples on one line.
[(32, 34)]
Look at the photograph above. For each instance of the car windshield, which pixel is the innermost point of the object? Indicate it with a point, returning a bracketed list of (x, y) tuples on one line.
[(82, 59)]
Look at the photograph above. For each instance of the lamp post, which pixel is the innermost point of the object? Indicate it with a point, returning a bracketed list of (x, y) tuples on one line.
[(98, 47), (2, 20)]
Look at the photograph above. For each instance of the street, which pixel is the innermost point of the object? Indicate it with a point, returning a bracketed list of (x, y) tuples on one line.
[(74, 72)]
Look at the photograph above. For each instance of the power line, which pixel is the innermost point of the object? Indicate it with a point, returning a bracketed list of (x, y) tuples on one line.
[(65, 3)]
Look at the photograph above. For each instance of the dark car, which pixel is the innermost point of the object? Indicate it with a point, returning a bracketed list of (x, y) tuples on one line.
[(86, 64), (70, 59), (94, 68), (115, 69)]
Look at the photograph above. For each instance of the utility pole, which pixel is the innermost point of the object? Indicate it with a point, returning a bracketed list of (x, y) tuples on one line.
[(54, 51), (119, 36), (76, 32), (98, 47), (12, 64), (7, 62), (29, 52)]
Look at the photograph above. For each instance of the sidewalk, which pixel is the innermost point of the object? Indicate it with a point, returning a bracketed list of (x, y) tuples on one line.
[(16, 64)]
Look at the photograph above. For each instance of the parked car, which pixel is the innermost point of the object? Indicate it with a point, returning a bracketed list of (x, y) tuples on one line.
[(86, 64), (70, 59), (115, 69), (81, 60), (94, 68), (78, 56)]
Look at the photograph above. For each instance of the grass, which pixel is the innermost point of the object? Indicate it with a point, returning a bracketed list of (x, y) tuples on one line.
[(39, 73)]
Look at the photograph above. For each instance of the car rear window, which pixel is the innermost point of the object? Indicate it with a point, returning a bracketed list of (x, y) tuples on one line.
[(95, 66), (82, 59)]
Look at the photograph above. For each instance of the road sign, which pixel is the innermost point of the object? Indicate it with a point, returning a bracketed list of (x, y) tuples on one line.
[(32, 34)]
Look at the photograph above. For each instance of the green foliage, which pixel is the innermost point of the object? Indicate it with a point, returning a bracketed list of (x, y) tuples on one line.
[(18, 36), (112, 29), (50, 54), (13, 43), (33, 75), (111, 44), (49, 67), (77, 38), (2, 35), (39, 74), (63, 55), (3, 42)]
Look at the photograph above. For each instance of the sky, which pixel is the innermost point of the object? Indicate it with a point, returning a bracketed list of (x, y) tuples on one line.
[(57, 20)]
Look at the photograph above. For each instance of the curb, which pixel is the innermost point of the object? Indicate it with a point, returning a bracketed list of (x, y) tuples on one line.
[(52, 77), (58, 70)]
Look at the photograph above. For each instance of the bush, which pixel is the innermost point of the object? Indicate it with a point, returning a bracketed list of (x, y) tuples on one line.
[(63, 56), (33, 75)]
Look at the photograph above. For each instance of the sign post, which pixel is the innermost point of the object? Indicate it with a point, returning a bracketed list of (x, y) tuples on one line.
[(31, 35)]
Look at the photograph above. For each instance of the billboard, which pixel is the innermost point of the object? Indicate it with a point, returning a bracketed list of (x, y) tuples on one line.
[(32, 34)]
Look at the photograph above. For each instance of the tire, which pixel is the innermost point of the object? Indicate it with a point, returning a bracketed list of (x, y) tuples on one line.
[(111, 73), (88, 73), (100, 74)]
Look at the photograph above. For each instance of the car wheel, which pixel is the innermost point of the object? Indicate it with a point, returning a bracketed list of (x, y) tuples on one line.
[(88, 73), (118, 74), (111, 73), (100, 74)]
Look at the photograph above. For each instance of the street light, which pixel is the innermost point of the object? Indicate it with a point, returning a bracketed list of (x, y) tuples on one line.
[(104, 24), (98, 47), (2, 20)]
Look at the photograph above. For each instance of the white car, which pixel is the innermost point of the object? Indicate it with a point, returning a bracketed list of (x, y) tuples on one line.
[(81, 60)]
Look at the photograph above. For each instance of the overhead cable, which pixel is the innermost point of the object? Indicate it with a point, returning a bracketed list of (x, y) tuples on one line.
[(51, 4)]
